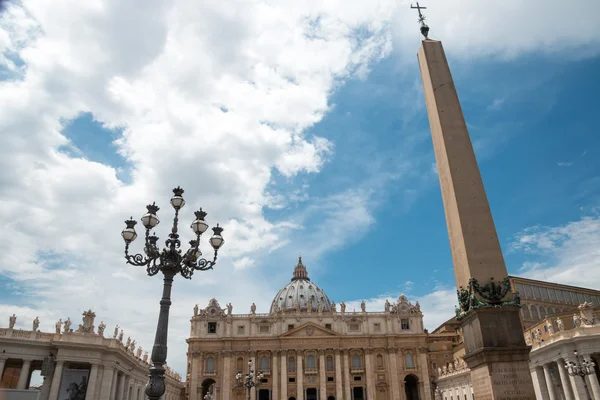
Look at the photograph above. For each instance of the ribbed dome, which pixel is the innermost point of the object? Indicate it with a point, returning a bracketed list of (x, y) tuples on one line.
[(299, 292)]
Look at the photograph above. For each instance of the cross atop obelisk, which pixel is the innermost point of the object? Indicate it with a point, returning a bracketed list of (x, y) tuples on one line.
[(495, 348), (424, 27)]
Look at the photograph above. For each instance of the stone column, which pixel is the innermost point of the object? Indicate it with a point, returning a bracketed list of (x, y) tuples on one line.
[(549, 384), (493, 336), (299, 377), (338, 376), (227, 386), (593, 385), (275, 375), (252, 358), (424, 367), (195, 373), (2, 364), (564, 380), (394, 376), (55, 387), (108, 376), (91, 388), (347, 392), (541, 389), (284, 379), (322, 376), (125, 389), (24, 375), (369, 372)]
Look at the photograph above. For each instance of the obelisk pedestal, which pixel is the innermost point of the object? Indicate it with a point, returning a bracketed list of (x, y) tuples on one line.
[(495, 347)]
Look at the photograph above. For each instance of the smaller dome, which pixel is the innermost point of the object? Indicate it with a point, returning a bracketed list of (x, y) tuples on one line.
[(300, 294)]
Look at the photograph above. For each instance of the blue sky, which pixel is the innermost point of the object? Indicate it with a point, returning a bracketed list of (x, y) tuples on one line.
[(299, 137)]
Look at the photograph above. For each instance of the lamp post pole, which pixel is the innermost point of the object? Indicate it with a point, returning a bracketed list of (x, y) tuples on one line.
[(170, 261), (581, 367), (250, 380)]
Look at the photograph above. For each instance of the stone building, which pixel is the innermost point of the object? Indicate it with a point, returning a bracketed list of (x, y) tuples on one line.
[(553, 339), (309, 349), (103, 367), (540, 299)]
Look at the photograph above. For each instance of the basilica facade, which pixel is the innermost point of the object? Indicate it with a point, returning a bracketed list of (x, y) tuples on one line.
[(309, 348)]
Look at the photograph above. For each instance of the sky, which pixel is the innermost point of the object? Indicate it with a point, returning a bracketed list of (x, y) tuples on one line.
[(301, 128)]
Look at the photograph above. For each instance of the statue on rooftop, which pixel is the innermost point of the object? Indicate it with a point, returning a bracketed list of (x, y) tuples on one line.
[(12, 320)]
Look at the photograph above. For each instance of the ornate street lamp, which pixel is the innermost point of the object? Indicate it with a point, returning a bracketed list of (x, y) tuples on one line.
[(250, 380), (170, 261), (581, 367)]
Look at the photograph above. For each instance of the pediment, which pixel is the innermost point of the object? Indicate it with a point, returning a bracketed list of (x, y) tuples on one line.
[(309, 329)]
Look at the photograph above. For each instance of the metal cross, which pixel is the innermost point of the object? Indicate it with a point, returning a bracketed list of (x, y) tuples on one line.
[(419, 8), (424, 27)]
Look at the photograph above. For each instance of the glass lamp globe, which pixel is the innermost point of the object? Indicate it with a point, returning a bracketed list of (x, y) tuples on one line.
[(150, 220), (129, 234)]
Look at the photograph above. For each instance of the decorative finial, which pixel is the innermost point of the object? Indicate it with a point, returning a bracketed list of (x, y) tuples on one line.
[(424, 27), (300, 271)]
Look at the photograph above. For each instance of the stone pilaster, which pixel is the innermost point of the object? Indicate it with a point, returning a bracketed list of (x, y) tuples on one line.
[(424, 367), (347, 392), (394, 375), (227, 386), (253, 360), (299, 376), (370, 372), (284, 378), (338, 376), (275, 375), (322, 376)]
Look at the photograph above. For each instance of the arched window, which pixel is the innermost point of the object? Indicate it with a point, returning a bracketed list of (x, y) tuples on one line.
[(310, 362), (356, 361), (379, 361), (240, 363), (534, 313), (291, 364), (210, 364), (264, 363), (409, 360), (542, 312), (525, 309), (550, 310), (329, 363)]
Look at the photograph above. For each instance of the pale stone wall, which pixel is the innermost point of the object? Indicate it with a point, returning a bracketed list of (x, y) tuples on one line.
[(116, 373), (328, 353)]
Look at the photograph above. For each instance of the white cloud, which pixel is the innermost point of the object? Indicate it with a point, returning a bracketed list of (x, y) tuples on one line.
[(212, 96), (566, 254)]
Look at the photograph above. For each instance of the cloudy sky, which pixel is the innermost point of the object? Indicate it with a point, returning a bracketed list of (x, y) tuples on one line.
[(301, 128)]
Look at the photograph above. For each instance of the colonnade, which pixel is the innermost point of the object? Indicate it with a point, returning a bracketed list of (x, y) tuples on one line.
[(552, 381)]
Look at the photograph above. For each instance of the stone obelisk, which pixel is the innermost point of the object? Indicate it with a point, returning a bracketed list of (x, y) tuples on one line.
[(495, 347)]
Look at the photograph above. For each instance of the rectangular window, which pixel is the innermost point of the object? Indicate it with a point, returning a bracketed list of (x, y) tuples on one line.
[(536, 292), (357, 378), (290, 327), (264, 329), (329, 363), (241, 329), (328, 326), (434, 365), (544, 293), (404, 324), (519, 288), (354, 327), (377, 327), (528, 292), (212, 327), (552, 294), (330, 379), (291, 380)]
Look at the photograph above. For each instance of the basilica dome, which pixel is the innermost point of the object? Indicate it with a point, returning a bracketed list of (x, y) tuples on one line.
[(300, 294)]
